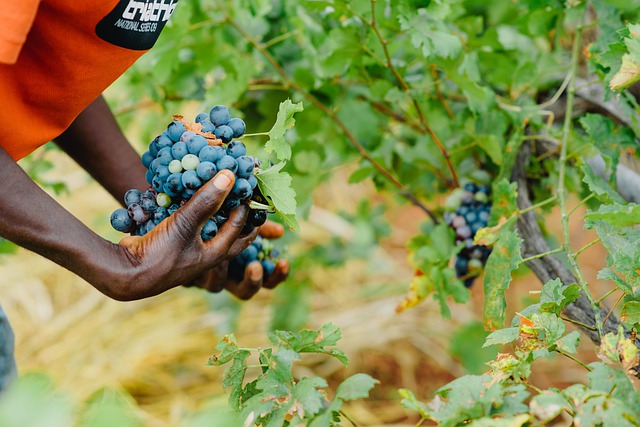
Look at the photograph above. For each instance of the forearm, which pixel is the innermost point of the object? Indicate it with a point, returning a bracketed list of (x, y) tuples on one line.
[(32, 219), (96, 143)]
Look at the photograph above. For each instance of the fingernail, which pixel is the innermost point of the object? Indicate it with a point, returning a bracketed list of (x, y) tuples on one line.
[(221, 181), (255, 274)]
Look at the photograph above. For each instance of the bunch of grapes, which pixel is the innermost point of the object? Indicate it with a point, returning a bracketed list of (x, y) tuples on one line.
[(467, 211), (260, 250), (179, 161)]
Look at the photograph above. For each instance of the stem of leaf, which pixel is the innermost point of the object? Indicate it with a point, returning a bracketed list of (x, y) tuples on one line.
[(316, 102), (577, 323), (582, 202), (255, 134), (612, 308), (538, 205), (344, 414), (605, 296), (544, 254), (587, 246), (566, 133), (579, 362)]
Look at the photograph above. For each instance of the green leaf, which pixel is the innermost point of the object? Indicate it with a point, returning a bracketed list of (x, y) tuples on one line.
[(466, 346), (619, 349), (630, 313), (556, 296), (502, 336), (430, 35), (569, 343), (276, 188), (410, 402), (491, 145), (515, 421), (612, 381), (616, 215), (109, 408), (284, 121), (312, 341), (233, 378), (355, 387), (598, 186), (548, 405), (629, 72), (504, 258), (504, 200), (228, 349), (308, 401)]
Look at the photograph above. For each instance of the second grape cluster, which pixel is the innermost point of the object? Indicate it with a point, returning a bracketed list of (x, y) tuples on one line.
[(467, 211)]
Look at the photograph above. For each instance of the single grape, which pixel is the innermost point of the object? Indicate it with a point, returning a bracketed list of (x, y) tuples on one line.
[(172, 209), (164, 156), (154, 165), (174, 184), (209, 230), (219, 219), (257, 244), (242, 189), (224, 132), (147, 158), (186, 193), (185, 137), (467, 198), (163, 200), (475, 265), (153, 148), (237, 126), (150, 225), (121, 221), (196, 143), (202, 116), (207, 126), (149, 176), (236, 149), (471, 217), (250, 254), (245, 166), (458, 221), (227, 162), (470, 187), (253, 181), (268, 266), (247, 229), (157, 183), (148, 202), (138, 214), (132, 196), (229, 204), (219, 115), (160, 214), (163, 140), (190, 180), (257, 217), (163, 172), (461, 266), (175, 130), (481, 197), (175, 166), (210, 153), (206, 170), (190, 162), (179, 150), (464, 232)]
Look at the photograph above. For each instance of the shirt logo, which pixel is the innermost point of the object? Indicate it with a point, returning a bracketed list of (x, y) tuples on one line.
[(135, 24)]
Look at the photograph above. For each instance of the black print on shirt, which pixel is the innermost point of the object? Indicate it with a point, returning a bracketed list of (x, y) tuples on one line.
[(135, 24)]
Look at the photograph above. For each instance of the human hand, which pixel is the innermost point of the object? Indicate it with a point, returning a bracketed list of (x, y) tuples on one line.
[(174, 253), (254, 279)]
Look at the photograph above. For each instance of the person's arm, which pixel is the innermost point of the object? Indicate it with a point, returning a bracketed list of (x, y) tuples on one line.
[(95, 142), (171, 255)]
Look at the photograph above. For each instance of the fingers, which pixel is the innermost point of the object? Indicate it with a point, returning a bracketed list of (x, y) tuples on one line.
[(220, 245), (206, 201), (271, 230), (251, 284), (279, 275)]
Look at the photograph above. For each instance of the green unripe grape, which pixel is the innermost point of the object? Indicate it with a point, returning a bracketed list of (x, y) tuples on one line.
[(163, 199), (175, 166), (190, 162)]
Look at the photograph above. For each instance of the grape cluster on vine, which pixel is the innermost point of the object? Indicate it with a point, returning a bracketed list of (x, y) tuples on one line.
[(467, 211), (179, 161)]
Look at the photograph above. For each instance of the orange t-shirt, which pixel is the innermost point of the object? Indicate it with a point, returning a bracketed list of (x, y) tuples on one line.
[(57, 56)]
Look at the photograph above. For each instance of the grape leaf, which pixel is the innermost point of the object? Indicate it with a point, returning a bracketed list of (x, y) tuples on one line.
[(504, 258), (616, 215), (355, 387), (276, 188), (555, 296), (502, 336), (600, 187), (629, 72), (284, 121), (631, 313)]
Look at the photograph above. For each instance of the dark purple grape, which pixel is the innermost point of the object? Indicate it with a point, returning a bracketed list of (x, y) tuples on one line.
[(245, 166), (236, 149), (257, 217), (132, 196), (121, 221), (209, 230), (196, 143), (237, 126), (175, 130), (219, 115), (242, 189), (227, 162), (211, 153), (224, 132)]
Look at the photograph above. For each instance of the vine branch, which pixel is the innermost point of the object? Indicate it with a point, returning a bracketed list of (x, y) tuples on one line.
[(404, 191)]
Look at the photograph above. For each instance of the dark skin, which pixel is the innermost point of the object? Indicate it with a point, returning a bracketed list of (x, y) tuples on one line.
[(172, 254)]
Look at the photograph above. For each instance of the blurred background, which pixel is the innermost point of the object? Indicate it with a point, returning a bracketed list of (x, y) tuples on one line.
[(349, 261)]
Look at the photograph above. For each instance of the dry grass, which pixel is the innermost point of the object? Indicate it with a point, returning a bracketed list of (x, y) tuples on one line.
[(156, 349)]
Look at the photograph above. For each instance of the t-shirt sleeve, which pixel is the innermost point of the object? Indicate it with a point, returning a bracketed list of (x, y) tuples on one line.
[(17, 18)]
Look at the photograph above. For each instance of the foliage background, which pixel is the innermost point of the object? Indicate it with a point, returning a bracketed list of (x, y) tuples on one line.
[(350, 260)]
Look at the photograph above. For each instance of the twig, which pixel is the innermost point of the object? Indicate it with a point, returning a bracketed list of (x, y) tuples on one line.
[(614, 306), (544, 254), (566, 132), (443, 101), (404, 191), (582, 325), (423, 121), (579, 362)]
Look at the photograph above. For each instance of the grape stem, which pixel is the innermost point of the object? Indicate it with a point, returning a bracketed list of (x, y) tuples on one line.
[(404, 191), (561, 190), (261, 206)]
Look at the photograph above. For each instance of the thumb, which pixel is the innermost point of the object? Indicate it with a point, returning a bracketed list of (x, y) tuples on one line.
[(206, 201)]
